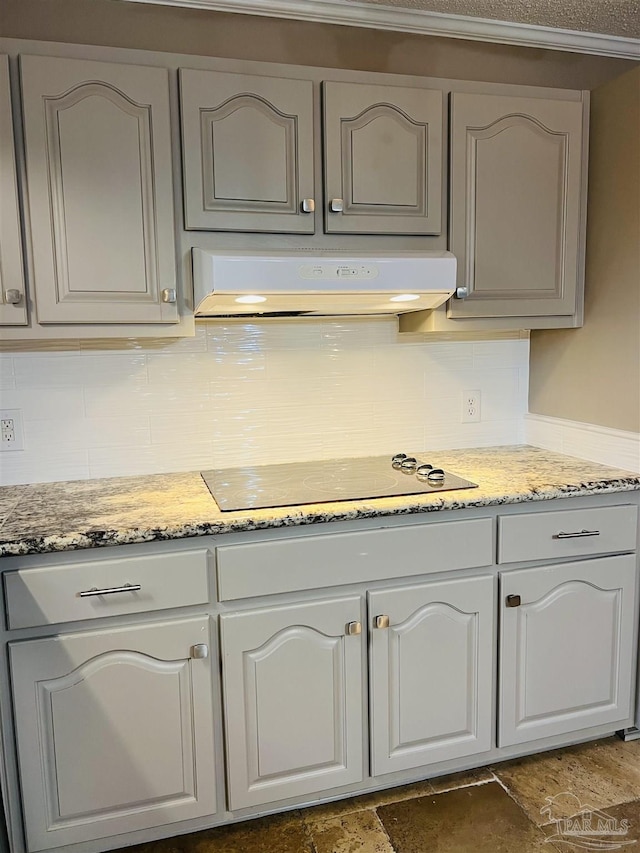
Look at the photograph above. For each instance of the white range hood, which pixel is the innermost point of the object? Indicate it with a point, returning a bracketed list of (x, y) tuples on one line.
[(314, 283)]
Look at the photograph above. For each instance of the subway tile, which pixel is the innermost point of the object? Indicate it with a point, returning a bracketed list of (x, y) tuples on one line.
[(7, 378), (155, 459), (82, 369), (45, 403), (67, 433), (43, 466), (488, 354)]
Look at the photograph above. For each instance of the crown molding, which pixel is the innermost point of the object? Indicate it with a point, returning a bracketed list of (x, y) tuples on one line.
[(372, 16)]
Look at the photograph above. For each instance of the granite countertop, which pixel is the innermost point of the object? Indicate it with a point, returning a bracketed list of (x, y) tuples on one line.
[(49, 517)]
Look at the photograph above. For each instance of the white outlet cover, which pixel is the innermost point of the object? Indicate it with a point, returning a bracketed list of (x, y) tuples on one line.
[(16, 416)]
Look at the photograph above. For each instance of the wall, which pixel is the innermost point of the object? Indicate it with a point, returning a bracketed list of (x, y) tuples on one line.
[(194, 31), (242, 393), (592, 374)]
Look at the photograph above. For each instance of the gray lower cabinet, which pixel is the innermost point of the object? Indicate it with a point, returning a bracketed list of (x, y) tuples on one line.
[(431, 672), (99, 191), (13, 311), (567, 659), (515, 204), (114, 730), (293, 698)]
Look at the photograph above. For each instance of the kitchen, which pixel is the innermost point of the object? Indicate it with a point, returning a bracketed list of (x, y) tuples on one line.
[(294, 390)]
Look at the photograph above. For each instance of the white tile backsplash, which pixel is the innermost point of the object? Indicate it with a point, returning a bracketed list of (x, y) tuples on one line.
[(254, 393)]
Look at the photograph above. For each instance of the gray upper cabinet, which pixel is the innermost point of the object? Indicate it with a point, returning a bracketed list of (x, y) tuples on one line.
[(248, 152), (515, 204), (13, 310), (100, 192), (383, 159)]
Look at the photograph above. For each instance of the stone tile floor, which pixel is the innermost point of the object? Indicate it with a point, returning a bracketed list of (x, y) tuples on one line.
[(520, 806)]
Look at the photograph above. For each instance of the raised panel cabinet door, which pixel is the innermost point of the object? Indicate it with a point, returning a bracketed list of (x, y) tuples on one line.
[(516, 193), (431, 673), (100, 191), (567, 658), (13, 311), (247, 152), (293, 700), (114, 730), (383, 159)]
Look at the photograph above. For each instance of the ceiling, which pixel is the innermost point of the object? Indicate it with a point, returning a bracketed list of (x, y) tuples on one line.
[(613, 17)]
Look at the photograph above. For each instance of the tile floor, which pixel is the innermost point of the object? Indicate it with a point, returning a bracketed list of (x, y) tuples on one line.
[(517, 807)]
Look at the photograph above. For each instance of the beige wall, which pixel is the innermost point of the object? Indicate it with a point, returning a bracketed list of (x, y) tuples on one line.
[(593, 374), (121, 24)]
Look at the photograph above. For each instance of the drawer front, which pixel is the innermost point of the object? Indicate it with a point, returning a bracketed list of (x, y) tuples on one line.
[(288, 565), (570, 533), (52, 594)]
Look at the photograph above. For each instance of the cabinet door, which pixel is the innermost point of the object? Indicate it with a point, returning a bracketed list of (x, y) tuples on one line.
[(293, 700), (247, 152), (13, 310), (114, 731), (516, 178), (383, 159), (100, 191), (567, 657), (431, 673)]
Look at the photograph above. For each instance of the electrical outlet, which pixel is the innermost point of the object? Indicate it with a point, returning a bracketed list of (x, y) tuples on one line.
[(11, 436), (470, 407)]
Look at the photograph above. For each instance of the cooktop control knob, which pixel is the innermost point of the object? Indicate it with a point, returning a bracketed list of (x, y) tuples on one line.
[(398, 459), (409, 464)]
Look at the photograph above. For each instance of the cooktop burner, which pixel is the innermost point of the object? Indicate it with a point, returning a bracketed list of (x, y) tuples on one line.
[(288, 484)]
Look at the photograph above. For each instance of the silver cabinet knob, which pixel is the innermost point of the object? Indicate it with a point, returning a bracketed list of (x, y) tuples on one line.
[(381, 621), (200, 651), (307, 205), (12, 297), (336, 205), (169, 295), (353, 628), (462, 292)]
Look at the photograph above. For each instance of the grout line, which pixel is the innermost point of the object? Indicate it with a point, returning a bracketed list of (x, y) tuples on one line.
[(384, 829), (467, 785)]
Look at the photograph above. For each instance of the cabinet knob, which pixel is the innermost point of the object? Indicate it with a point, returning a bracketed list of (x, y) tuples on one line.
[(12, 297), (461, 292), (381, 621), (353, 628), (336, 205), (200, 651), (307, 205), (513, 601), (169, 295)]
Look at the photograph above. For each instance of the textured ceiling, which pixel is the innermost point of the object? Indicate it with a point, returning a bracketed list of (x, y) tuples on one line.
[(613, 17)]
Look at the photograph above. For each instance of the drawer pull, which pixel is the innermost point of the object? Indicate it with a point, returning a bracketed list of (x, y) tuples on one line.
[(200, 651), (514, 601), (381, 621), (128, 587), (577, 535), (353, 628)]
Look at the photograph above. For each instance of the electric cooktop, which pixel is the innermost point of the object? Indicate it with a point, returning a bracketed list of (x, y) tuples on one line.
[(292, 483)]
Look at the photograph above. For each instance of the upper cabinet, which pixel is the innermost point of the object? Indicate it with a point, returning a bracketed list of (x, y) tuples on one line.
[(248, 152), (13, 311), (382, 159), (248, 145), (516, 184), (100, 192)]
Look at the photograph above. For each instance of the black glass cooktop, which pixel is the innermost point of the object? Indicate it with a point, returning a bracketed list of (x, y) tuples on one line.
[(291, 483)]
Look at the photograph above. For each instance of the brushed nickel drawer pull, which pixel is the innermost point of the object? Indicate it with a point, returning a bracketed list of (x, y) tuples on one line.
[(353, 628), (381, 621), (128, 587), (577, 535), (514, 601)]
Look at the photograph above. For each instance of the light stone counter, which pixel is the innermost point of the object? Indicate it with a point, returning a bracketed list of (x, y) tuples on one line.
[(49, 517)]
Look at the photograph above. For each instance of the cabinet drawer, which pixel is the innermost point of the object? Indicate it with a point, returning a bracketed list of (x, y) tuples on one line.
[(51, 594), (570, 533), (288, 565)]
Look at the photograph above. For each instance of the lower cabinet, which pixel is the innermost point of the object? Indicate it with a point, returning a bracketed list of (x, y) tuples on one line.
[(567, 656), (293, 700), (294, 687), (431, 672), (114, 730)]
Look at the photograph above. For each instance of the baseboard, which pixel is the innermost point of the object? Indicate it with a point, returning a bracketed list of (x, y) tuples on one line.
[(615, 447)]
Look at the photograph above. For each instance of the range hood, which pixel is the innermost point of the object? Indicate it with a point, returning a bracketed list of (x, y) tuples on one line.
[(320, 283)]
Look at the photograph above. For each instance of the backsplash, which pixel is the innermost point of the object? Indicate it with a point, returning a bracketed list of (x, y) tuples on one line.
[(251, 393)]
